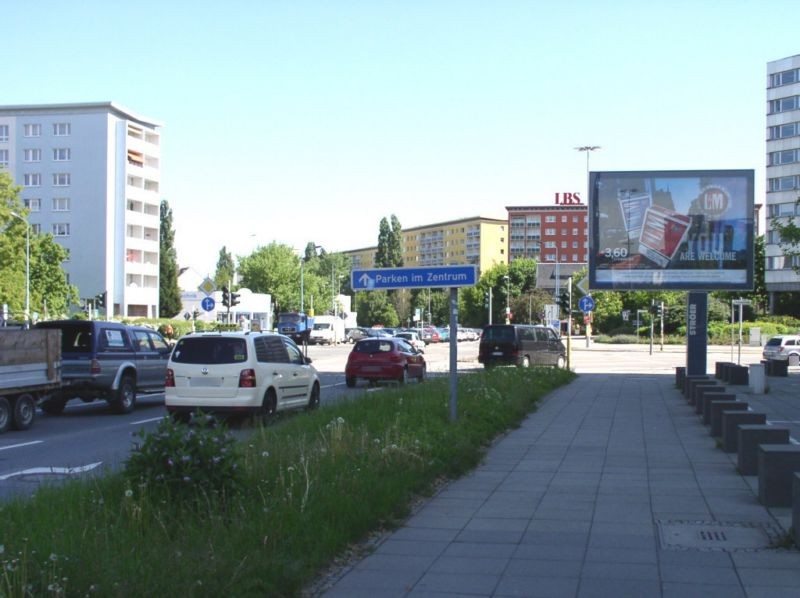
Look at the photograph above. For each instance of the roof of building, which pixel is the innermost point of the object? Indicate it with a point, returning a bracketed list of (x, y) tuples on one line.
[(112, 107)]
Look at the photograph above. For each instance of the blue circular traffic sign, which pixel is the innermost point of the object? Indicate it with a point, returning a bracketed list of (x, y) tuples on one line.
[(208, 303), (586, 303)]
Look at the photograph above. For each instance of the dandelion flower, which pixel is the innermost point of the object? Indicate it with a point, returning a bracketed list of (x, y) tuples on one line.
[(53, 557), (128, 493), (265, 454)]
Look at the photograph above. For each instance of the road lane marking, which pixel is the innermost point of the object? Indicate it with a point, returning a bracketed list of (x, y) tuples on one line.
[(52, 470), (11, 446), (147, 421)]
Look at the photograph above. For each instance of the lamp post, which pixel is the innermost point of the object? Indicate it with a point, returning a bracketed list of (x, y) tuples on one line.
[(27, 265)]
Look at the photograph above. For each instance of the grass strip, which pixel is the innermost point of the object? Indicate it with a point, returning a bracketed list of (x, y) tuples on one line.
[(314, 484)]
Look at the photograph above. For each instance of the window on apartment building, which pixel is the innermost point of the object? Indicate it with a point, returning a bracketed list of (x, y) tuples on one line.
[(549, 258), (32, 130), (784, 104), (575, 257), (4, 157), (62, 129), (574, 219), (61, 204), (549, 244), (563, 244), (32, 155), (61, 229), (783, 131), (564, 232), (33, 204), (549, 219), (62, 154), (575, 231), (549, 231), (564, 218), (563, 258), (784, 78), (32, 179), (784, 157), (36, 229), (62, 179), (574, 244), (3, 132), (784, 183)]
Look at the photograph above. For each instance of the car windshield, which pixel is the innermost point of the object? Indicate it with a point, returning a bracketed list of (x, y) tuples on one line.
[(212, 349), (373, 346), (499, 333), (322, 326)]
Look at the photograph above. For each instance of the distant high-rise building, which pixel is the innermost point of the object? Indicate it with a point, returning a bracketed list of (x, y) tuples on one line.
[(549, 233), (478, 240), (90, 175), (783, 170)]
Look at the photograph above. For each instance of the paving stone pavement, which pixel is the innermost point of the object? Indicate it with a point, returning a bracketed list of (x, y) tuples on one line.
[(576, 503)]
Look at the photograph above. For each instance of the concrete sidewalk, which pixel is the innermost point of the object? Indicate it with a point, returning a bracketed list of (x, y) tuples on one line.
[(612, 488)]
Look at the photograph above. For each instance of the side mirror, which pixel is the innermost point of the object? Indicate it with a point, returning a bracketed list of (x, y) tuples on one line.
[(307, 360)]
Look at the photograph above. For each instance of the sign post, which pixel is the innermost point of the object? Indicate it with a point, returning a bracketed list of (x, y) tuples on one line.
[(450, 277)]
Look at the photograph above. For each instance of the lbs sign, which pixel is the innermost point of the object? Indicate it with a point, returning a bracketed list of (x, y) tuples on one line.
[(568, 199)]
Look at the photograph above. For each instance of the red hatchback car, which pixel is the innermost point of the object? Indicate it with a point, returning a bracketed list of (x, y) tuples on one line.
[(376, 359)]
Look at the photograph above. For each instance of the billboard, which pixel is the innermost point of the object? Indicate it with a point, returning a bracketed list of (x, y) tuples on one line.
[(682, 230)]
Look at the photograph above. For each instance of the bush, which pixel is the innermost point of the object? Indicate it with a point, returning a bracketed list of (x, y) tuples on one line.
[(185, 463), (620, 339)]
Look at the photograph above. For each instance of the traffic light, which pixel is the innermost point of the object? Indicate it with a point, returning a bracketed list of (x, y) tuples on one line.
[(563, 301), (653, 309), (100, 300), (226, 297), (234, 299)]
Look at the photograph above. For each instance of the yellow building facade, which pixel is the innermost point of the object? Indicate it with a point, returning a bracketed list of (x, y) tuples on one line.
[(481, 241)]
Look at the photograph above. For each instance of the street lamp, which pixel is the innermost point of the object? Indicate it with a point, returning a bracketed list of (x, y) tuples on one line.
[(27, 265)]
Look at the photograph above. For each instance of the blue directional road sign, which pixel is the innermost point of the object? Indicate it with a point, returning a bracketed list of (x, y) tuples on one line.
[(414, 278), (208, 303), (586, 303)]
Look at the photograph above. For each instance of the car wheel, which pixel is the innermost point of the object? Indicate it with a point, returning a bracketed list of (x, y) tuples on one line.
[(350, 381), (54, 405), (24, 412), (526, 362), (403, 377), (270, 406), (5, 414), (125, 399), (561, 362), (794, 360), (313, 400)]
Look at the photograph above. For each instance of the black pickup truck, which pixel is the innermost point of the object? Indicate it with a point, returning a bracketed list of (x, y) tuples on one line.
[(109, 361)]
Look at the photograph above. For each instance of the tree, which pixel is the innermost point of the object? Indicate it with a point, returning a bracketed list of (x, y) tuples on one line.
[(169, 294), (374, 308), (395, 244), (382, 259), (273, 269), (50, 294), (226, 268)]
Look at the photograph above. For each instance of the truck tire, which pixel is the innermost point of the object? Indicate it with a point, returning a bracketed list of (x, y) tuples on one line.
[(24, 411), (124, 400), (5, 414)]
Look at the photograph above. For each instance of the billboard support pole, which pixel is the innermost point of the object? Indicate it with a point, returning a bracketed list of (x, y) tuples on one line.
[(696, 333), (453, 354)]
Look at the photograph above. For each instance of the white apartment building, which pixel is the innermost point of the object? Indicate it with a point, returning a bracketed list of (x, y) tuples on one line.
[(90, 175), (783, 169)]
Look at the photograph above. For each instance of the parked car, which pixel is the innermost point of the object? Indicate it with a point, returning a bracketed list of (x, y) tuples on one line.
[(444, 334), (785, 347), (107, 360), (517, 344), (434, 334), (352, 335), (389, 358), (239, 373), (413, 339)]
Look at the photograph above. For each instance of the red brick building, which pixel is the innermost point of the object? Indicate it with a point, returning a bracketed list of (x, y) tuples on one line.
[(549, 233)]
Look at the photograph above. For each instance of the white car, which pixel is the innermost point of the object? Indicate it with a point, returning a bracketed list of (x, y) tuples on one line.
[(243, 373), (785, 347), (413, 339)]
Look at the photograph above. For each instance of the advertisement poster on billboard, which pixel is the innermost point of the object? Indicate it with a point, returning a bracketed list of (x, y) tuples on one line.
[(679, 230)]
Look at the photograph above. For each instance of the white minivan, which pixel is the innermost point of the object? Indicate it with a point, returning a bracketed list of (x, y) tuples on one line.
[(231, 373)]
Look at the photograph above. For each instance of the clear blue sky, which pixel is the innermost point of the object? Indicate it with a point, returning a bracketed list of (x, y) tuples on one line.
[(300, 121)]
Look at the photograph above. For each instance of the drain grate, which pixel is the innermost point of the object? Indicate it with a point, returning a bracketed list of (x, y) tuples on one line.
[(717, 535)]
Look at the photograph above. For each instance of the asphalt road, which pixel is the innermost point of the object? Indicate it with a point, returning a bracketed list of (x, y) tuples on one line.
[(87, 438)]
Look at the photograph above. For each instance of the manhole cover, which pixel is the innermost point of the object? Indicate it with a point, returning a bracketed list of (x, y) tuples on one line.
[(717, 535)]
